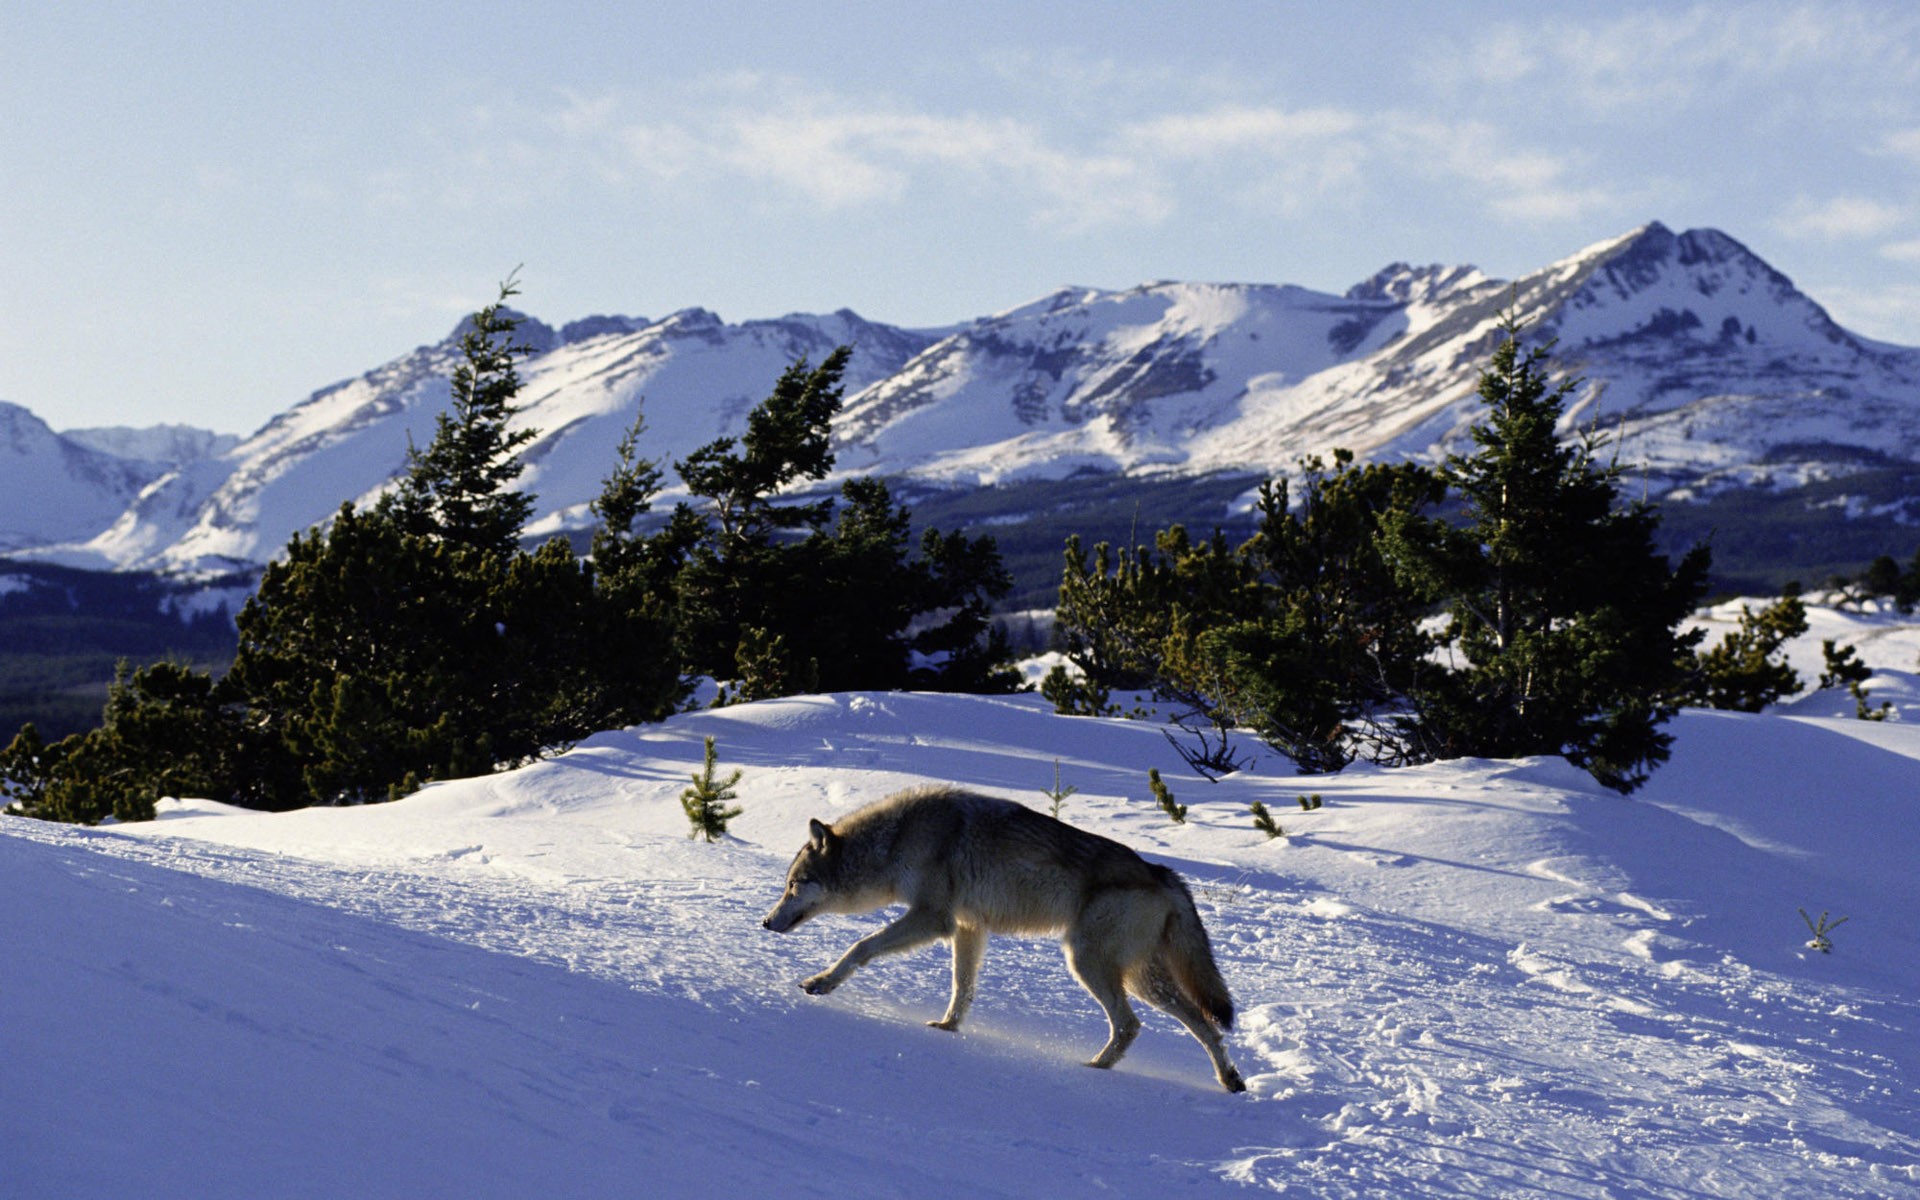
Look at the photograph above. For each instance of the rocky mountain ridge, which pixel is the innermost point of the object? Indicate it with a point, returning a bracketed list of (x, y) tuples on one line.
[(1712, 370)]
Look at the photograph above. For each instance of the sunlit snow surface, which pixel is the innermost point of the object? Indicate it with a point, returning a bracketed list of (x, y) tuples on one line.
[(1473, 978)]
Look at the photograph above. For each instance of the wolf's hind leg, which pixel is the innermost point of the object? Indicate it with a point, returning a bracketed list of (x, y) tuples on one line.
[(916, 927), (1156, 986), (1102, 976), (969, 944)]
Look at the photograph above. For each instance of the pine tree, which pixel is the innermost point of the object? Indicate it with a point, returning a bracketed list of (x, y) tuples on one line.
[(1163, 796), (1564, 612), (1843, 668), (1748, 670), (737, 573), (1302, 634), (1057, 797), (407, 642), (1263, 820), (416, 641), (818, 593), (1116, 612), (708, 803), (369, 653), (166, 730), (1320, 671), (1074, 695), (457, 488)]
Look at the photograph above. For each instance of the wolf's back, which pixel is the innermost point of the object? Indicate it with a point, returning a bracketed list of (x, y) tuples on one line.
[(1190, 953)]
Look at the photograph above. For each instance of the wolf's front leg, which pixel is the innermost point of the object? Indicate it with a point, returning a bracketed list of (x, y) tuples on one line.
[(969, 944), (916, 927)]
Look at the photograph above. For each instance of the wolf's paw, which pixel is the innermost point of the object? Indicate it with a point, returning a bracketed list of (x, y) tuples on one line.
[(1232, 1081), (943, 1023), (819, 985)]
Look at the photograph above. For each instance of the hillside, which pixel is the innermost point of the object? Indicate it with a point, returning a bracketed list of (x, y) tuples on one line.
[(1478, 978)]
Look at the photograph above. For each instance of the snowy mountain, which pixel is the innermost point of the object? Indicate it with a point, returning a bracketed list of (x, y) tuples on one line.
[(167, 446), (696, 375), (1472, 978), (1716, 373), (55, 487)]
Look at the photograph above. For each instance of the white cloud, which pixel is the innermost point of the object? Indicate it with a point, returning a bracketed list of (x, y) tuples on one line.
[(1906, 252), (1903, 143), (838, 155), (1265, 158), (1843, 57), (1838, 218), (1516, 183), (1235, 129), (785, 142)]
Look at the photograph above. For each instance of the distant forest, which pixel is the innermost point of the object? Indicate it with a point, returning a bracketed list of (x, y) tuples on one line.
[(63, 630)]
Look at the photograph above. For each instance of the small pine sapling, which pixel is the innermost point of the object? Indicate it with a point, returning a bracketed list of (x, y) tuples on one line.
[(1058, 795), (1821, 929), (707, 802), (1164, 797), (1075, 695), (1263, 820), (1843, 667), (1309, 803)]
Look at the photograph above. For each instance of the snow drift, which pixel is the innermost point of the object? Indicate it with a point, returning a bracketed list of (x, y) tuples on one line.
[(1475, 977)]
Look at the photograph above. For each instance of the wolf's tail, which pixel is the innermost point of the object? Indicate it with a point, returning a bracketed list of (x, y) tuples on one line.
[(1189, 954)]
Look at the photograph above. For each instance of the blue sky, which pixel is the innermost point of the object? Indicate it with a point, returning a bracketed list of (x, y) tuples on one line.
[(208, 211)]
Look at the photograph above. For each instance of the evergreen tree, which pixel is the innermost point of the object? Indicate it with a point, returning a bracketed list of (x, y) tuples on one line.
[(416, 641), (1907, 592), (781, 594), (709, 802), (1748, 670), (953, 643), (1321, 670), (737, 574), (167, 730), (627, 641), (456, 489), (1302, 634), (1843, 668), (1564, 613), (1163, 796), (1882, 577), (407, 642), (371, 654), (1263, 820), (1116, 614)]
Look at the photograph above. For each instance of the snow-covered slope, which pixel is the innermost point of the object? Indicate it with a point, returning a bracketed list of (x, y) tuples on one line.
[(1473, 978), (54, 488), (1712, 367)]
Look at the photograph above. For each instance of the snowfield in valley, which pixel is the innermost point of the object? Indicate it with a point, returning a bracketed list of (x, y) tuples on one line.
[(1471, 978)]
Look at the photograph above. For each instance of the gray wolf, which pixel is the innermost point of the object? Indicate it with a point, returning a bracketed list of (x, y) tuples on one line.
[(967, 865)]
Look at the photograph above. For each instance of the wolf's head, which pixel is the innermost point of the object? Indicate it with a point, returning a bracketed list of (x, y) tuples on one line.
[(809, 880)]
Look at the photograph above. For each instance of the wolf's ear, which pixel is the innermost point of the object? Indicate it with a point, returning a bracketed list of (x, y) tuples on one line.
[(822, 835)]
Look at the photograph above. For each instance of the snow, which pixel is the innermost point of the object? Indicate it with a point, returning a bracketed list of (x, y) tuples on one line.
[(1475, 977)]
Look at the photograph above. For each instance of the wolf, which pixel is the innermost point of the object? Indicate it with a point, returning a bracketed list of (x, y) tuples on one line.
[(967, 865)]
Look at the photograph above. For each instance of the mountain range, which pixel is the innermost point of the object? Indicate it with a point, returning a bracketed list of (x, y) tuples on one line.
[(1714, 374)]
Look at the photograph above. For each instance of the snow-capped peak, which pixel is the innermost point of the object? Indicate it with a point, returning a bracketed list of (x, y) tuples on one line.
[(1717, 371)]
